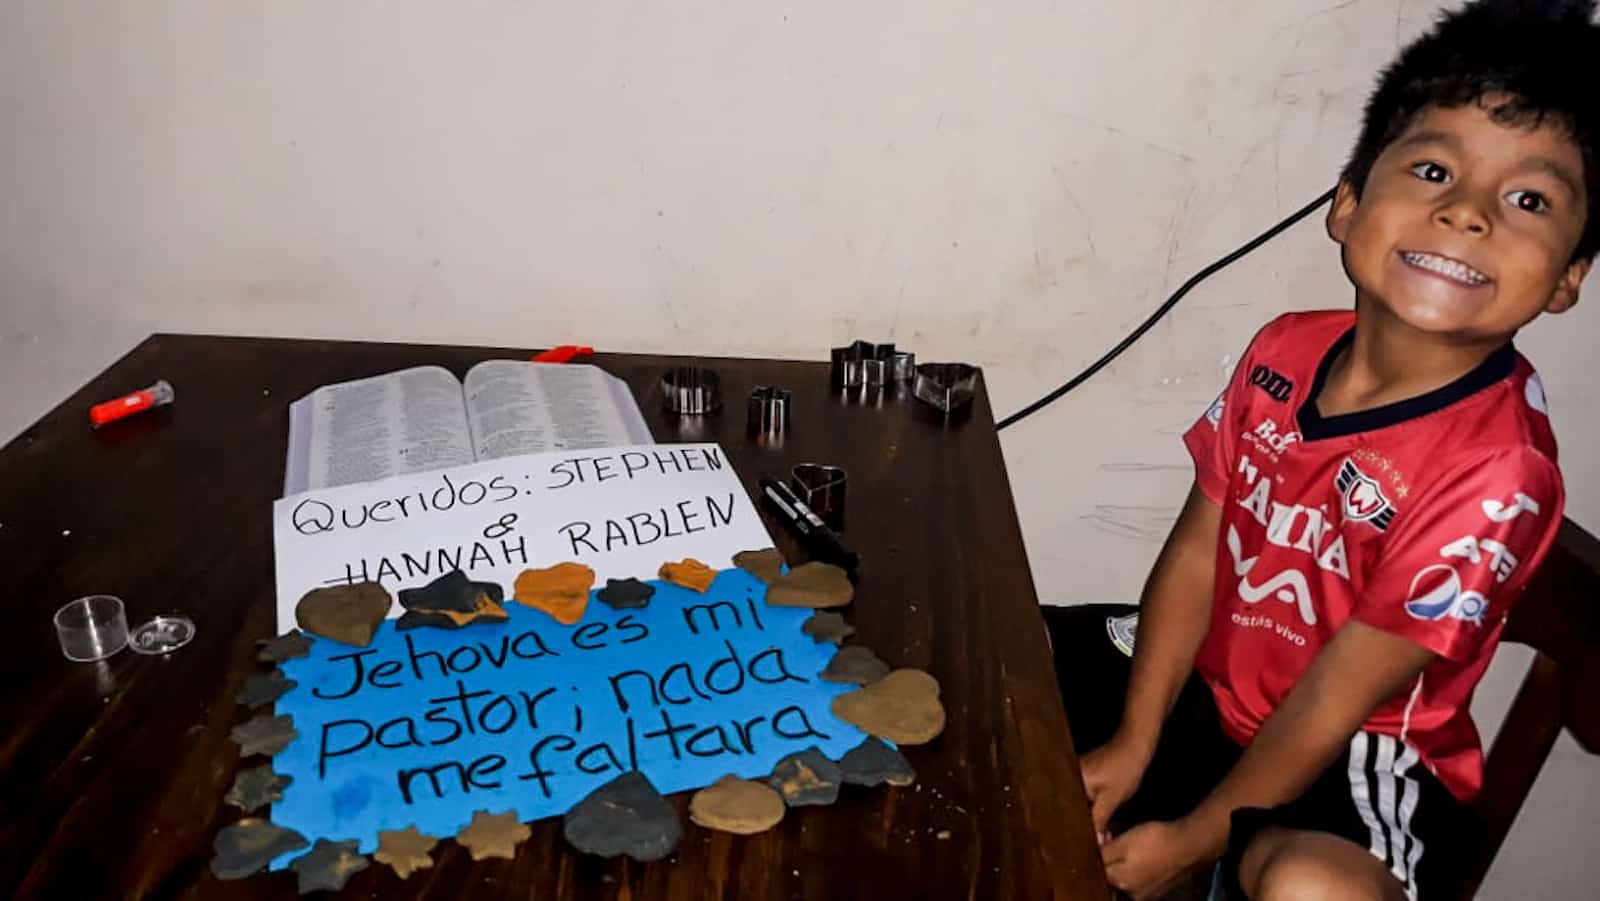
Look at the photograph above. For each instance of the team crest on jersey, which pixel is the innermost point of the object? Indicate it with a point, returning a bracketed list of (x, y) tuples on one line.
[(1363, 498)]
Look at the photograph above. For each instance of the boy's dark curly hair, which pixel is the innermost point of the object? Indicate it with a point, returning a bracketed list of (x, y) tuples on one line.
[(1543, 54)]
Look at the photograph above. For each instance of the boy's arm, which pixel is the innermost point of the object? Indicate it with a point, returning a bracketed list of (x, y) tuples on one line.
[(1174, 613), (1358, 670), (1361, 668)]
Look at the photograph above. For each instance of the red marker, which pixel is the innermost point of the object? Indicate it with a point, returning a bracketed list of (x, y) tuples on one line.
[(562, 354), (157, 395)]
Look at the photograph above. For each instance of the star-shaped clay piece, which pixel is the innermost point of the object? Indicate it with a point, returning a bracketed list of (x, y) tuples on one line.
[(625, 594), (328, 865), (493, 835), (259, 690), (257, 787), (287, 646), (249, 845), (405, 850), (266, 734)]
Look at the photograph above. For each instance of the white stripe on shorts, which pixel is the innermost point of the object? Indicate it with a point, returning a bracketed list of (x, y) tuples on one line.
[(1387, 807)]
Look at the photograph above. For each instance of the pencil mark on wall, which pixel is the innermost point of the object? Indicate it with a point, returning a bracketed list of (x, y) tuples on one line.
[(1143, 467), (1112, 129), (1149, 524)]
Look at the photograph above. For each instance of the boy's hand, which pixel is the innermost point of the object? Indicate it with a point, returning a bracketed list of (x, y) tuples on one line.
[(1111, 775), (1147, 860)]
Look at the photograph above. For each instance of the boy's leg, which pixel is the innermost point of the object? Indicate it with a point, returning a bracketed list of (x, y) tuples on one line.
[(1093, 648), (1376, 824)]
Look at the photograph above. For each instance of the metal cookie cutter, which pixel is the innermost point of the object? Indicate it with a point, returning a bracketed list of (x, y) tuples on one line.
[(691, 390), (822, 487), (867, 365), (947, 386), (769, 411)]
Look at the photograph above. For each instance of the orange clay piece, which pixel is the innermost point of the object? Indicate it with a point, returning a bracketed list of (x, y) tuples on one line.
[(561, 591), (689, 573)]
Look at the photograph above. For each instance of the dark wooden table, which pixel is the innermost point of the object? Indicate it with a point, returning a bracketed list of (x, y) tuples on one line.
[(112, 774)]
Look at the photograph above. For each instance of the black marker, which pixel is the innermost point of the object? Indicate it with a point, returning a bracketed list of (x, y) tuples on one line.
[(821, 541)]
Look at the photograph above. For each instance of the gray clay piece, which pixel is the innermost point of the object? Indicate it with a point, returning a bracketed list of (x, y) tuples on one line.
[(873, 762), (806, 779), (625, 594), (259, 690), (855, 665), (766, 564), (328, 865), (266, 734), (826, 626), (625, 816), (451, 591), (249, 845), (452, 601), (736, 805), (348, 614), (257, 787), (287, 646), (902, 707), (811, 584)]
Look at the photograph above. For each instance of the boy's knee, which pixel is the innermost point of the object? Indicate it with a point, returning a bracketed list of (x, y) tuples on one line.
[(1319, 868)]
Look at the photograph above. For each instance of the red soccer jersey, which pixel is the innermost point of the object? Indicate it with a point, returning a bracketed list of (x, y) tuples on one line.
[(1423, 518)]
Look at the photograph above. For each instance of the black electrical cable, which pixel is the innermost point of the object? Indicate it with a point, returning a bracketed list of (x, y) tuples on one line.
[(1162, 310)]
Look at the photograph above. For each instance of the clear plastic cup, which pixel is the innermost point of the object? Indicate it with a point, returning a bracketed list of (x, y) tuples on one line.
[(92, 628)]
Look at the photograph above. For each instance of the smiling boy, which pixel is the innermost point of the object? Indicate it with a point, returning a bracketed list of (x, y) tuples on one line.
[(1372, 491)]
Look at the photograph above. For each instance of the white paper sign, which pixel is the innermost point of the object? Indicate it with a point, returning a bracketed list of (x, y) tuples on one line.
[(623, 511)]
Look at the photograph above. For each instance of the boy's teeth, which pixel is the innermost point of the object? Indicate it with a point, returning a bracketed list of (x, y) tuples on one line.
[(1461, 272)]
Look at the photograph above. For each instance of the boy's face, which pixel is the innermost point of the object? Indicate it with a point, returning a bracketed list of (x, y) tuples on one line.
[(1466, 227)]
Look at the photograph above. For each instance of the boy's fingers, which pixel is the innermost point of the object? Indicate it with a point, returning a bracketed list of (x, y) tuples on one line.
[(1100, 810)]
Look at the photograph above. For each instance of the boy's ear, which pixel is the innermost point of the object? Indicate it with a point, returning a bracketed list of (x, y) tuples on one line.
[(1343, 208), (1565, 297)]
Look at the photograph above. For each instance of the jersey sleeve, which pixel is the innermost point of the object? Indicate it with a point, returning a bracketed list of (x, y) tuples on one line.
[(1458, 559), (1212, 438)]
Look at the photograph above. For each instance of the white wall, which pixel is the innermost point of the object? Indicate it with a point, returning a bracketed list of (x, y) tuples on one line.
[(1014, 184)]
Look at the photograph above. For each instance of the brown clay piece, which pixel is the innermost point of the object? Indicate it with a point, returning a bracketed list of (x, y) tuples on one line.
[(902, 707), (405, 850), (766, 564), (493, 835), (348, 614), (814, 584), (739, 806)]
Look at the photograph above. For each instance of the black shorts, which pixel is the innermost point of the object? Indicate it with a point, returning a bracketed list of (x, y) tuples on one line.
[(1377, 794)]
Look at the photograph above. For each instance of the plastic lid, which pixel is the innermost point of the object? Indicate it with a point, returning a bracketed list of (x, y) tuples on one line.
[(161, 635)]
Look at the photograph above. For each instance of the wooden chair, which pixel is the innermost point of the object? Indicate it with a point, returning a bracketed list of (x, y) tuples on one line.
[(1559, 617)]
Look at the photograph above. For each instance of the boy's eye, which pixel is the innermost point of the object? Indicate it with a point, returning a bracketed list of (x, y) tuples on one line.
[(1528, 201), (1431, 172)]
